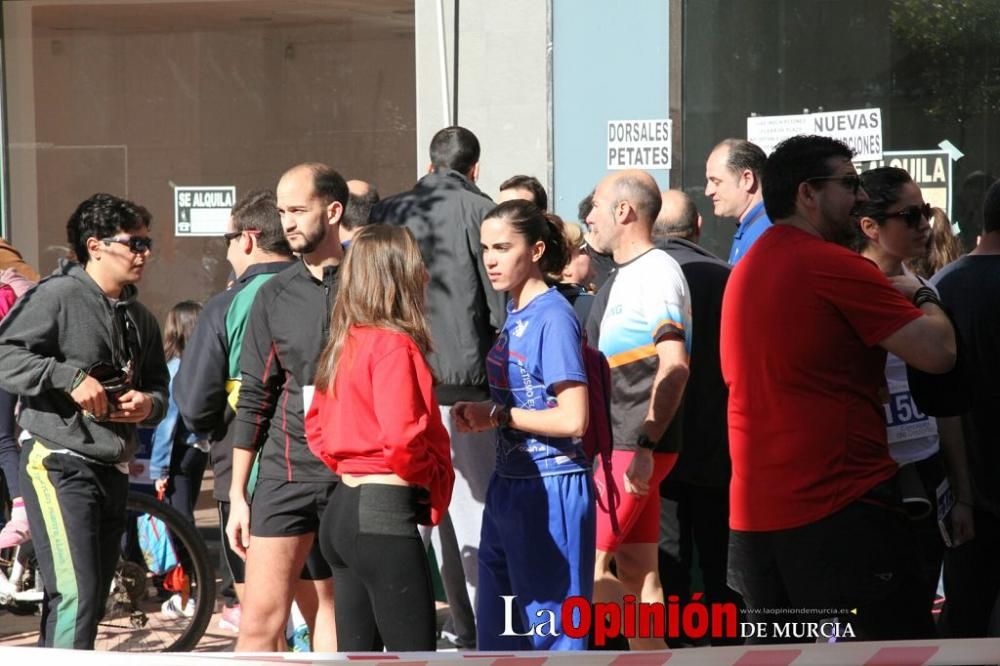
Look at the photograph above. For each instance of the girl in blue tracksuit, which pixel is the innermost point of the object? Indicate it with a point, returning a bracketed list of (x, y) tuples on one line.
[(537, 545), (177, 462)]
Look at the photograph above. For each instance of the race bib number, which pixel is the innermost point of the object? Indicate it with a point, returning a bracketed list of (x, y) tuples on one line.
[(904, 421), (308, 392)]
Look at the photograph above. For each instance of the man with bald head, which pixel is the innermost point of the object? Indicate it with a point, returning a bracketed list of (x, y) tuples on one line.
[(641, 320), (678, 218), (287, 328)]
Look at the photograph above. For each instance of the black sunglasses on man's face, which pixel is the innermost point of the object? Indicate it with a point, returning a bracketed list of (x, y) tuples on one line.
[(137, 244), (851, 181), (230, 236)]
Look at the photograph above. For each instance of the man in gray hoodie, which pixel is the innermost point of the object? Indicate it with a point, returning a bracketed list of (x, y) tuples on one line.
[(87, 360)]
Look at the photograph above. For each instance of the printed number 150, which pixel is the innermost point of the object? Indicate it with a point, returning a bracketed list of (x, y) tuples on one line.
[(900, 409)]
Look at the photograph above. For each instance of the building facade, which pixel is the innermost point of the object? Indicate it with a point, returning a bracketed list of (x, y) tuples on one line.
[(141, 97)]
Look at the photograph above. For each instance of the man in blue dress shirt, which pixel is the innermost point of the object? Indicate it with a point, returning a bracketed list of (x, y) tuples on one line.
[(732, 182)]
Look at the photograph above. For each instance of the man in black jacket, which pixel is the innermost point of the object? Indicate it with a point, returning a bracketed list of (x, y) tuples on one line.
[(694, 498), (444, 211)]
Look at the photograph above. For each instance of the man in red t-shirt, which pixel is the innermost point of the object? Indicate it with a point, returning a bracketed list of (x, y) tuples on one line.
[(815, 517)]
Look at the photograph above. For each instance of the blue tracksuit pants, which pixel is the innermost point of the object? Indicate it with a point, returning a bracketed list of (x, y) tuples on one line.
[(537, 546)]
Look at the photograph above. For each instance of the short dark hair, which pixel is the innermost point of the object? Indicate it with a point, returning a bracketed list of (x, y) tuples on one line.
[(259, 210), (744, 155), (969, 198), (531, 184), (102, 216), (534, 224), (454, 148), (883, 186), (328, 185), (586, 205), (991, 208), (794, 161), (684, 225), (358, 211)]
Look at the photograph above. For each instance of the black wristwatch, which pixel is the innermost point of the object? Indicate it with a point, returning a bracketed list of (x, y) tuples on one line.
[(644, 442), (500, 415)]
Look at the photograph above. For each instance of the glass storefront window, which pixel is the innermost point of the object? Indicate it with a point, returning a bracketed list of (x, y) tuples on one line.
[(134, 97), (933, 68)]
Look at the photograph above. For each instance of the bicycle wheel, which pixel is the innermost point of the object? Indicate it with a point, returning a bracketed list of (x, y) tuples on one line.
[(21, 589), (137, 619)]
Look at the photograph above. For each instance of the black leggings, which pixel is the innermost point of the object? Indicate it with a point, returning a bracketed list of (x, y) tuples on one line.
[(10, 451), (187, 469), (380, 572)]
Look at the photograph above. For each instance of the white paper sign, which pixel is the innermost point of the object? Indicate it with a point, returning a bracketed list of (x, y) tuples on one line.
[(639, 144), (768, 131), (202, 211), (860, 129)]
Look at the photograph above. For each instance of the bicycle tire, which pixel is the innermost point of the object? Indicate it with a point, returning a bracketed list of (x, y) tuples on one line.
[(147, 628), (26, 584)]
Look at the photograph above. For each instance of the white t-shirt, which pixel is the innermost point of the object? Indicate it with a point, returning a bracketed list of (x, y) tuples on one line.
[(912, 434), (648, 299)]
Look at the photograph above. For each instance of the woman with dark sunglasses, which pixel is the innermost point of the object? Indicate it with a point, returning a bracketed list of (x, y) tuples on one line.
[(893, 227)]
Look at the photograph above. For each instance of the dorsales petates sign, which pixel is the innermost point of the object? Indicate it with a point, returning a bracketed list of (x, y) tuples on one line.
[(639, 144)]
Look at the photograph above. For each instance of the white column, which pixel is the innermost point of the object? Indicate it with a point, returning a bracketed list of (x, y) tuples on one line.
[(503, 85)]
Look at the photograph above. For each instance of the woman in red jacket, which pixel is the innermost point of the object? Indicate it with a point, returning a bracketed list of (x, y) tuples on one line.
[(375, 422)]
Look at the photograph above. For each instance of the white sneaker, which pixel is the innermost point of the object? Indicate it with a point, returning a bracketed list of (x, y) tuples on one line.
[(171, 608), (230, 618)]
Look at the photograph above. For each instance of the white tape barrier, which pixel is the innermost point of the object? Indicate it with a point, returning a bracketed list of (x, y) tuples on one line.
[(35, 656), (894, 653)]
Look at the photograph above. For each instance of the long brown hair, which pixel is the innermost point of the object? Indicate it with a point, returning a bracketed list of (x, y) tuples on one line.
[(178, 328), (942, 247), (381, 285)]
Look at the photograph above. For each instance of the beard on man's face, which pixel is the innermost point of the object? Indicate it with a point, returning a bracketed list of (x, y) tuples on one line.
[(308, 242), (843, 231)]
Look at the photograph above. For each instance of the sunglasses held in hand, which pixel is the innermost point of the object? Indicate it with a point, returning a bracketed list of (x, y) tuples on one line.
[(115, 381)]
